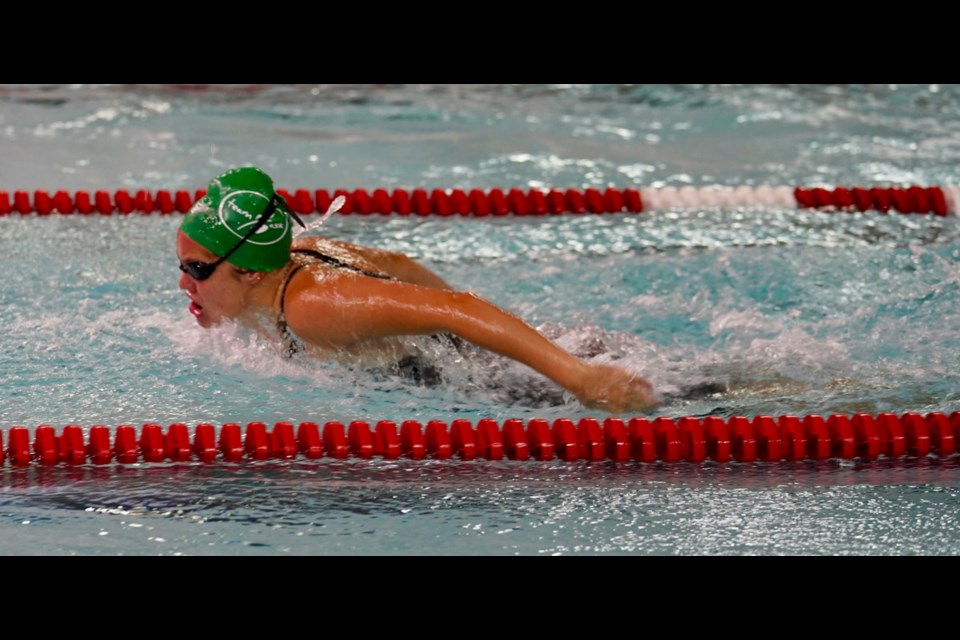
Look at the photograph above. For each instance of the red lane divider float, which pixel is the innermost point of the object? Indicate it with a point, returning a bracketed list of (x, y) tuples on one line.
[(735, 439), (941, 201)]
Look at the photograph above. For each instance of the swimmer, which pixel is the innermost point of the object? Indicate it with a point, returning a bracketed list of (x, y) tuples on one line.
[(239, 261)]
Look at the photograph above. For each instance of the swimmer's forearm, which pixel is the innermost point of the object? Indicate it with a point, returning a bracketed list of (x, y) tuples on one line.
[(597, 386), (498, 330)]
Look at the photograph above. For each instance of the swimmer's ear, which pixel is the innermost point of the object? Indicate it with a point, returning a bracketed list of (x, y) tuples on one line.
[(253, 277)]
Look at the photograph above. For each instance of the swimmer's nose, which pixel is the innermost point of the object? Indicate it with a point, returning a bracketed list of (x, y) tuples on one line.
[(186, 282)]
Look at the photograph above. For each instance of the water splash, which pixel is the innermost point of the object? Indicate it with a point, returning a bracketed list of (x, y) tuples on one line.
[(334, 207)]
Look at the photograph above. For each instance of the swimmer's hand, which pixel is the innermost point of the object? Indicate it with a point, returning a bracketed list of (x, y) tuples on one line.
[(614, 390)]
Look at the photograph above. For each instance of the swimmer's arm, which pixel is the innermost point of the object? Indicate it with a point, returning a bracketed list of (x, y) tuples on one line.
[(361, 310)]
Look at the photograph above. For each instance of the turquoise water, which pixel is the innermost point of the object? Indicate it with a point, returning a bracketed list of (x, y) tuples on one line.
[(796, 312)]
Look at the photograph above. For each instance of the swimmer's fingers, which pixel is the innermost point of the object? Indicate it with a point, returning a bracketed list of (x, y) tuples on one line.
[(615, 390)]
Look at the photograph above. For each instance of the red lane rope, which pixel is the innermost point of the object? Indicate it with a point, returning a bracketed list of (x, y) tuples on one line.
[(737, 439), (940, 201)]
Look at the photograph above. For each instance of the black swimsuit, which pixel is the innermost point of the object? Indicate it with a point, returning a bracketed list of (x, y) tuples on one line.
[(410, 366)]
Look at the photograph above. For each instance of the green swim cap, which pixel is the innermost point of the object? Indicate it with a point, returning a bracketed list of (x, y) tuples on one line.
[(230, 210)]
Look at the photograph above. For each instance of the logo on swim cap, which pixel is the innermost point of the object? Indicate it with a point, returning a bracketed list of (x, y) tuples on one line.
[(234, 203), (239, 211)]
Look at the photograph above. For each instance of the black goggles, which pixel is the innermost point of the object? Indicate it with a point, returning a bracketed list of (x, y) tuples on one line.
[(203, 270)]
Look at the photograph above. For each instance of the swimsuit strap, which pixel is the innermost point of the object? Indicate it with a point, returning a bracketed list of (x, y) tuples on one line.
[(292, 346), (339, 263), (286, 283)]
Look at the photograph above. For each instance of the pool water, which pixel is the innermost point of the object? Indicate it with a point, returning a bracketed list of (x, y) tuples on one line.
[(792, 312)]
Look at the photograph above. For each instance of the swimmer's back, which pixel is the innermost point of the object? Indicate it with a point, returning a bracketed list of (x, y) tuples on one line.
[(391, 263)]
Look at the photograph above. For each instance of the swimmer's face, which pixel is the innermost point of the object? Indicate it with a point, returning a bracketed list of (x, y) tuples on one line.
[(221, 296)]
